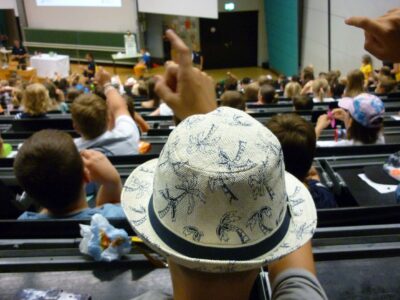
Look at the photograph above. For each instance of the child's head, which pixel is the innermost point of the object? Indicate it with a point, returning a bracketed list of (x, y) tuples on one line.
[(72, 94), (366, 59), (151, 92), (320, 88), (233, 99), (385, 85), (364, 118), (36, 99), (52, 89), (267, 94), (17, 96), (292, 90), (355, 83), (298, 141), (90, 116), (89, 56), (265, 79), (307, 74), (385, 71), (303, 102), (49, 168), (251, 92)]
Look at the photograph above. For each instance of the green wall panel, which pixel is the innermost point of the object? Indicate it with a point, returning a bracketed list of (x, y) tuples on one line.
[(282, 21)]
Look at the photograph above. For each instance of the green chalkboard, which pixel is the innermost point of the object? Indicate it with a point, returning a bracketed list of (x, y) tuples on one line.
[(83, 38)]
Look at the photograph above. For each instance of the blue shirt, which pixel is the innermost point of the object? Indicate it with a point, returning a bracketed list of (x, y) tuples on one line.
[(323, 198), (108, 211)]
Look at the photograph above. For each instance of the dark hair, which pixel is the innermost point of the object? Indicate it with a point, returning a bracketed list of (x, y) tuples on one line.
[(307, 74), (72, 94), (233, 99), (230, 84), (51, 88), (363, 134), (303, 103), (49, 168), (152, 95), (90, 54), (298, 141), (268, 94), (246, 80)]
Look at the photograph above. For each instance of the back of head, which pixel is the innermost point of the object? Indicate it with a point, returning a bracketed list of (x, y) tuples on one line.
[(386, 85), (367, 59), (36, 99), (230, 84), (233, 99), (72, 94), (303, 102), (355, 83), (151, 93), (90, 115), (268, 93), (292, 90), (307, 74), (51, 88), (251, 92), (265, 79), (320, 88), (385, 70), (298, 141), (49, 168)]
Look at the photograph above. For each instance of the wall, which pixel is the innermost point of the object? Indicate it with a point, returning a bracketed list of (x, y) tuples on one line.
[(9, 4), (347, 42), (282, 33), (103, 19)]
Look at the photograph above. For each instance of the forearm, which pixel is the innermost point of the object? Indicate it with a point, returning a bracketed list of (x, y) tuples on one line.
[(318, 131), (144, 126), (116, 104), (302, 258), (109, 193)]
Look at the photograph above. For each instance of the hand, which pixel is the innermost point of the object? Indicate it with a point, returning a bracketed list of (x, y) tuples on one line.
[(102, 77), (339, 114), (323, 122), (99, 169), (186, 90), (382, 35)]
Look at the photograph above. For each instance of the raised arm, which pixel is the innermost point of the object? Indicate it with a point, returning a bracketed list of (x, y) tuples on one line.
[(116, 104), (185, 89)]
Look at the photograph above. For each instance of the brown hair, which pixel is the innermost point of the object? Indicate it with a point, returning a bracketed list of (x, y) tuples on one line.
[(36, 99), (307, 74), (233, 99), (130, 104), (268, 93), (90, 115), (49, 168), (386, 84), (363, 134), (303, 102), (251, 92), (152, 95), (298, 141), (367, 59), (355, 84), (72, 94)]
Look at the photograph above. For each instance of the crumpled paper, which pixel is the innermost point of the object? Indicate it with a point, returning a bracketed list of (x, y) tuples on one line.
[(102, 241)]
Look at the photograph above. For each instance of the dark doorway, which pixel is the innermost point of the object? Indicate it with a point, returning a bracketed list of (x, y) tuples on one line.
[(9, 26), (230, 41)]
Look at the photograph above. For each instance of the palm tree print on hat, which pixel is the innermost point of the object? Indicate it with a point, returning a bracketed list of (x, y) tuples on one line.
[(189, 189), (172, 204), (136, 186), (226, 225), (305, 229), (295, 201), (203, 142), (238, 121), (235, 164), (258, 218), (223, 181), (194, 232), (141, 211), (259, 183)]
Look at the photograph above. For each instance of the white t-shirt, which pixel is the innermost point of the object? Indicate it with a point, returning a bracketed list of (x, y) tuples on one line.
[(325, 100), (165, 110), (122, 140)]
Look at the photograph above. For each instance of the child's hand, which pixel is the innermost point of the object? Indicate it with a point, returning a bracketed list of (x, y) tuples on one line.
[(102, 77), (339, 114), (382, 35), (323, 122), (99, 169)]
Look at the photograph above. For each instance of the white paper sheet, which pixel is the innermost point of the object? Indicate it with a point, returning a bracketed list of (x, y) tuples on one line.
[(380, 188)]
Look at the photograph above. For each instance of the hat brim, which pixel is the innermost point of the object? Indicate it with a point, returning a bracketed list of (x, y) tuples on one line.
[(378, 175), (346, 103), (136, 196)]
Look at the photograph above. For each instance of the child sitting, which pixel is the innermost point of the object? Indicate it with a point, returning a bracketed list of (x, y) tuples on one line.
[(321, 89), (298, 141), (233, 99), (267, 95), (35, 102), (362, 117)]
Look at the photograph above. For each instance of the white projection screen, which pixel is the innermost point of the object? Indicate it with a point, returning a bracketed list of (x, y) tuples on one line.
[(83, 17), (83, 3), (190, 8)]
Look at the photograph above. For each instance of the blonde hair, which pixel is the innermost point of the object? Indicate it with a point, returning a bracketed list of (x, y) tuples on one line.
[(36, 99), (292, 89), (17, 97), (355, 84), (320, 88)]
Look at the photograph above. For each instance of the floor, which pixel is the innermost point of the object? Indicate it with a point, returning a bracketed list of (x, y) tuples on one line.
[(220, 74)]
